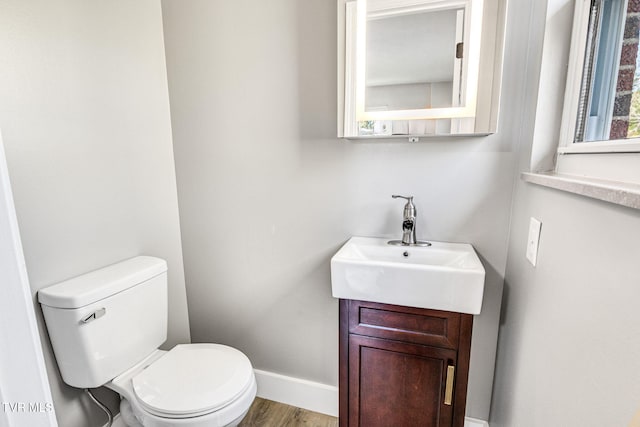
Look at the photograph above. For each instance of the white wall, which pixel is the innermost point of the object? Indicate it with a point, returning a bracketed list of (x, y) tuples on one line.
[(569, 353), (268, 193), (23, 374), (85, 117)]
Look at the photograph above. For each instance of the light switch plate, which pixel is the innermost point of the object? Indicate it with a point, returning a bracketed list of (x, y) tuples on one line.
[(533, 240)]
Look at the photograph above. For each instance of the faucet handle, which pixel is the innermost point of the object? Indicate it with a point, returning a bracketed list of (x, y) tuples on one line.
[(409, 208), (407, 198)]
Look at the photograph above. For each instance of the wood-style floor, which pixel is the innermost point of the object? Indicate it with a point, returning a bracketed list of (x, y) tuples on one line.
[(266, 413)]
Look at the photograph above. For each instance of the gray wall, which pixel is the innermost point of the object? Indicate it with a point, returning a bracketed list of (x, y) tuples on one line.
[(268, 193), (85, 117), (569, 353)]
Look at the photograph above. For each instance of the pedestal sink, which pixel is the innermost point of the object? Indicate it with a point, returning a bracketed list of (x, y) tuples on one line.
[(443, 276)]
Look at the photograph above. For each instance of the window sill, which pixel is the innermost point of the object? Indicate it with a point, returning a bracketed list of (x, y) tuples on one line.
[(612, 146), (619, 193)]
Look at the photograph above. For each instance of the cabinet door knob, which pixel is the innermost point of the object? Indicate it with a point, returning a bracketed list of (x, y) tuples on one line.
[(448, 389)]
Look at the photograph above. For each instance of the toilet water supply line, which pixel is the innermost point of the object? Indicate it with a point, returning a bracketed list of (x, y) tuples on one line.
[(101, 405)]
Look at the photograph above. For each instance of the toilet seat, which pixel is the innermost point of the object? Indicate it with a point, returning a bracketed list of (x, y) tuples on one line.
[(193, 380)]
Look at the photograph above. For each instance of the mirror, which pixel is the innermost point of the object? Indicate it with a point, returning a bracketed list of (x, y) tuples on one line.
[(398, 76), (419, 67)]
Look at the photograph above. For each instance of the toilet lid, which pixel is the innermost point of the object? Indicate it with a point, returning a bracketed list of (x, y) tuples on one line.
[(193, 379)]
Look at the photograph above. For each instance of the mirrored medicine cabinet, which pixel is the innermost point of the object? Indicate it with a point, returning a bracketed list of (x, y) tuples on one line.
[(417, 68)]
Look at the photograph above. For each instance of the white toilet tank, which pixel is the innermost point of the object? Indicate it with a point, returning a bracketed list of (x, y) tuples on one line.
[(102, 323)]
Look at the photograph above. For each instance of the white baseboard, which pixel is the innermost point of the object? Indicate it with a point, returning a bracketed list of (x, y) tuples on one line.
[(304, 394), (310, 395), (472, 422)]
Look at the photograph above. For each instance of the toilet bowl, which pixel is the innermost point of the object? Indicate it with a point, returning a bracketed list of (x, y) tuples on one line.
[(106, 328)]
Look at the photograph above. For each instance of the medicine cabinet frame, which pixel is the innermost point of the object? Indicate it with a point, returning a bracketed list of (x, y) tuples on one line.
[(478, 116)]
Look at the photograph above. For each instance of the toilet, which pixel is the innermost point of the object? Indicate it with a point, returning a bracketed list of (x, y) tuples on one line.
[(106, 328)]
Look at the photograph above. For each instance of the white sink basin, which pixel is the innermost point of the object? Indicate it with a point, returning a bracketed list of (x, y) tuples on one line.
[(444, 276)]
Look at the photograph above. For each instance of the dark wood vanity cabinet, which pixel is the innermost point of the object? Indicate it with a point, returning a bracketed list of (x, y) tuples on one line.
[(402, 366)]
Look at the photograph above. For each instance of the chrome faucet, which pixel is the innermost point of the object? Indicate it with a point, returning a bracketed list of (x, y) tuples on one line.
[(408, 225), (408, 220)]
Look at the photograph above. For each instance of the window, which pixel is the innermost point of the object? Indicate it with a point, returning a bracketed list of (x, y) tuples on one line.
[(600, 135), (598, 154), (602, 103), (609, 81)]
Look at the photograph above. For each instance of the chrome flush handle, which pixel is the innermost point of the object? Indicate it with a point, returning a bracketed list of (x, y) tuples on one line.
[(95, 315)]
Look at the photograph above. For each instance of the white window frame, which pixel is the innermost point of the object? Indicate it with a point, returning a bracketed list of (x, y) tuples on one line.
[(607, 170), (568, 148)]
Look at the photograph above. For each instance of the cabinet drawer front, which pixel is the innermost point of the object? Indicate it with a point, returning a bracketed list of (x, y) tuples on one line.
[(415, 325)]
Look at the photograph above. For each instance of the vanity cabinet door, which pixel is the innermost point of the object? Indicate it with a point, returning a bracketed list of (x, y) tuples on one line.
[(398, 384)]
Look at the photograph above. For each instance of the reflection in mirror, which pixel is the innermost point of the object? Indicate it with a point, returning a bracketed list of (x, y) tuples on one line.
[(609, 106), (403, 69), (413, 62), (415, 67)]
